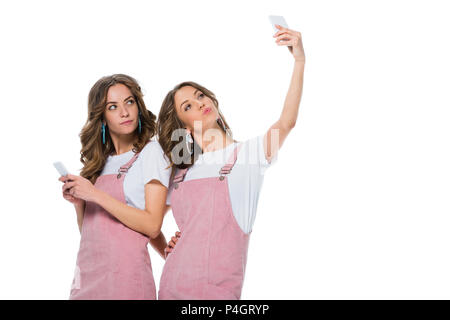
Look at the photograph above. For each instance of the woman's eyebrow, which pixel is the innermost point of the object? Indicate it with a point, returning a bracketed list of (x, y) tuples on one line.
[(187, 100), (116, 102)]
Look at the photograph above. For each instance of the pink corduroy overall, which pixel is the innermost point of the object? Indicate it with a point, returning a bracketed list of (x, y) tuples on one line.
[(209, 259), (113, 261)]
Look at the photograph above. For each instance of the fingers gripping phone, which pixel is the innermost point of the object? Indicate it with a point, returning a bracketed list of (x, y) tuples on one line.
[(278, 20)]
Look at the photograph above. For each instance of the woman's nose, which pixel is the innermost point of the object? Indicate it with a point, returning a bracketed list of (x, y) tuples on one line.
[(124, 112)]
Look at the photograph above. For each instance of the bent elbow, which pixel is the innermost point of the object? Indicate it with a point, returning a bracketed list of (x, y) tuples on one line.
[(152, 226), (289, 125), (154, 235), (154, 232)]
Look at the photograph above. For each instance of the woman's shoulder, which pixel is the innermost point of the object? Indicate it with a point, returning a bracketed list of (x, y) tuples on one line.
[(152, 150), (152, 146), (252, 151), (251, 145)]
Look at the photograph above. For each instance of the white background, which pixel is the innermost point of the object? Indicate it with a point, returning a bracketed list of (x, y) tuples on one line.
[(357, 206)]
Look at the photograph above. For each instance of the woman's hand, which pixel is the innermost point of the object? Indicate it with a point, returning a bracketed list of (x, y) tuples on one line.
[(292, 39), (69, 197), (77, 187), (75, 201), (172, 243)]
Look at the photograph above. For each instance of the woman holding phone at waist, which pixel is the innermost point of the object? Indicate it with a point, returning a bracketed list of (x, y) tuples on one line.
[(120, 197), (214, 196)]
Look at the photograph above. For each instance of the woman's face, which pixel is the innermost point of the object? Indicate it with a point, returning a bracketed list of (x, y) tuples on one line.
[(192, 105), (121, 113)]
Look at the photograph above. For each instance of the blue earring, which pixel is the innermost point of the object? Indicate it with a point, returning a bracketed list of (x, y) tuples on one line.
[(103, 133), (139, 122)]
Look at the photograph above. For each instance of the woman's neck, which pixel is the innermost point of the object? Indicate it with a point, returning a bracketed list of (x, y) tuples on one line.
[(212, 140), (123, 143)]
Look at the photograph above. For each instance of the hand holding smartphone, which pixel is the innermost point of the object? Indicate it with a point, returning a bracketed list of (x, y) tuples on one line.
[(279, 20), (64, 172)]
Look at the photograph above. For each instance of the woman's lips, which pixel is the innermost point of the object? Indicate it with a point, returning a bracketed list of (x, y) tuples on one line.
[(207, 110), (127, 122)]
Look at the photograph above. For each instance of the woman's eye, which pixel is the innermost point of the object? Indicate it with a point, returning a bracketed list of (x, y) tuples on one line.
[(130, 101), (111, 106), (201, 95), (187, 107)]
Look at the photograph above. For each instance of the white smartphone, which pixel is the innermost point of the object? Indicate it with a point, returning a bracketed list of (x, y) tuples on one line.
[(278, 20), (61, 168)]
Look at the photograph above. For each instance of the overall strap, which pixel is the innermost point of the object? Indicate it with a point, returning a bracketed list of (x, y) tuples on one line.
[(226, 169), (124, 169)]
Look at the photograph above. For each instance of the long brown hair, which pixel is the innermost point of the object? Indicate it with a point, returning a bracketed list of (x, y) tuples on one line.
[(93, 151), (168, 122)]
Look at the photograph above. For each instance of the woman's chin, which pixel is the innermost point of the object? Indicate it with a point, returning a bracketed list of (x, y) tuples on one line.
[(125, 132)]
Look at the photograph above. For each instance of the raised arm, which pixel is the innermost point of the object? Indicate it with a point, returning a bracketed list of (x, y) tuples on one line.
[(277, 133)]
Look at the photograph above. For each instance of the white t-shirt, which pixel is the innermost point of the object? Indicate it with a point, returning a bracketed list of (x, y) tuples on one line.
[(150, 165), (244, 180)]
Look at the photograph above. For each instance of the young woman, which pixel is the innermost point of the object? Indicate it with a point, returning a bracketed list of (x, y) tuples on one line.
[(214, 197), (120, 197)]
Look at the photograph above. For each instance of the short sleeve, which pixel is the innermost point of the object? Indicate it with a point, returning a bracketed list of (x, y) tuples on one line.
[(154, 164), (263, 162), (255, 153)]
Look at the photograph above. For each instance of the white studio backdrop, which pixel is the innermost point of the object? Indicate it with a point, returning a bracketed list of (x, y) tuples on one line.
[(357, 205)]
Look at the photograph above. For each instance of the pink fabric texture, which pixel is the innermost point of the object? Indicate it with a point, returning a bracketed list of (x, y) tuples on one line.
[(209, 259), (113, 262)]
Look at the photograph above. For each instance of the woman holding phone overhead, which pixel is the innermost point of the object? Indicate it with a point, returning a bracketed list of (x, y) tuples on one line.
[(214, 194), (120, 197)]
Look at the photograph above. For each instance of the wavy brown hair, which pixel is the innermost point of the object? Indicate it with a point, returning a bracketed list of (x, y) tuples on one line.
[(93, 151), (168, 122)]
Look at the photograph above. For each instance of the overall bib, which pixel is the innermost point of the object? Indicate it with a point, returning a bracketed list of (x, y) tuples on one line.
[(208, 261), (113, 261)]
